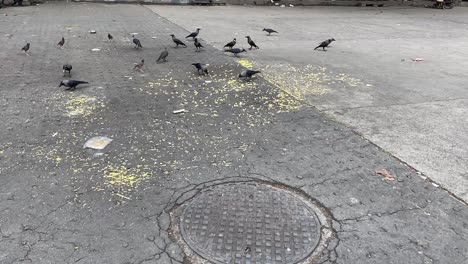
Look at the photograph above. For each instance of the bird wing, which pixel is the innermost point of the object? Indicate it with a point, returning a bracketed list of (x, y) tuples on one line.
[(178, 41)]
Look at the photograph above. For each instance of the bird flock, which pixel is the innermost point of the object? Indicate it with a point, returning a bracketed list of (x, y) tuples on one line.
[(202, 69)]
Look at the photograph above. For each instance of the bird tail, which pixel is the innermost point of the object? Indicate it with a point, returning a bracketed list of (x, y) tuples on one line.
[(81, 82), (317, 47)]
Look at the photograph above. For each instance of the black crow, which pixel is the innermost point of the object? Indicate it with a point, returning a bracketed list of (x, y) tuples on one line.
[(193, 35), (230, 44), (110, 37), (139, 66), (26, 48), (163, 55), (197, 44), (67, 68), (269, 30), (325, 44), (236, 51), (177, 41), (71, 84), (201, 68), (251, 43), (136, 42), (61, 42), (247, 74)]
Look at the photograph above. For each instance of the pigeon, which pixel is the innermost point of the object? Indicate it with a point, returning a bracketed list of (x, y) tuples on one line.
[(201, 68), (193, 35), (67, 68), (71, 84), (110, 37), (139, 66), (197, 44), (163, 55), (325, 44), (26, 48), (269, 30), (136, 42), (61, 42), (251, 43), (247, 74), (177, 41), (236, 51), (230, 44)]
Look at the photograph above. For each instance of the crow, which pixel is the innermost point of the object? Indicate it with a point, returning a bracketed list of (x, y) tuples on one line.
[(230, 44), (201, 68), (247, 74), (139, 66), (136, 42), (197, 44), (269, 30), (236, 51), (110, 37), (193, 35), (61, 42), (177, 41), (67, 68), (71, 84), (26, 48), (163, 55), (325, 44), (251, 43)]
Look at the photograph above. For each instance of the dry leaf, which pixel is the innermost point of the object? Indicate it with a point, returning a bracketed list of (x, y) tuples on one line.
[(387, 176)]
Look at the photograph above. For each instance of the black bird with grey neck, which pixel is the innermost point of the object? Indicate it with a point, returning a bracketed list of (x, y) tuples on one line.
[(71, 84), (251, 43), (177, 41), (325, 44)]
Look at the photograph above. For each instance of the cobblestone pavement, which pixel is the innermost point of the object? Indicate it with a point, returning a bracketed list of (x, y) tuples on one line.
[(60, 203)]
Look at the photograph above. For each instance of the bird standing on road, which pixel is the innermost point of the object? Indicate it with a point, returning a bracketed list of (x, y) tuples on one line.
[(71, 84), (201, 68), (61, 42), (236, 51), (26, 48), (193, 35), (197, 44), (325, 44), (163, 55), (67, 68), (177, 41), (230, 44), (247, 74), (269, 30), (110, 37), (136, 42), (139, 66), (251, 43)]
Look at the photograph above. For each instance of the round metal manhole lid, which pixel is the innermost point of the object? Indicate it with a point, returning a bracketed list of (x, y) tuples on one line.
[(250, 223)]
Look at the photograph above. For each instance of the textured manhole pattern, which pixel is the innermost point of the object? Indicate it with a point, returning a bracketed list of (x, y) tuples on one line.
[(250, 223)]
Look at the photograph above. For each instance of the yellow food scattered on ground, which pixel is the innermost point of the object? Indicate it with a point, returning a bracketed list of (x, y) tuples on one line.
[(123, 177), (245, 63), (81, 105)]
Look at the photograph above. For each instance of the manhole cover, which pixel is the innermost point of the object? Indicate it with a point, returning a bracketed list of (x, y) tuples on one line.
[(250, 223)]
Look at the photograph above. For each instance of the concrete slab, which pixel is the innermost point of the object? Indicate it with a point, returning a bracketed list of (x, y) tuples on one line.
[(368, 78)]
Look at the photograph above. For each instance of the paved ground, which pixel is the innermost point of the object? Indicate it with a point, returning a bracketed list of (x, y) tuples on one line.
[(60, 203), (416, 111)]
